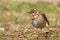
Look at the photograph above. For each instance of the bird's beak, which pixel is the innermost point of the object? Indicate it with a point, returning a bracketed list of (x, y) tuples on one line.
[(29, 12)]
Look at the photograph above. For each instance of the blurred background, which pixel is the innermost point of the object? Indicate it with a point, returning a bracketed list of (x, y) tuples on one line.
[(13, 13)]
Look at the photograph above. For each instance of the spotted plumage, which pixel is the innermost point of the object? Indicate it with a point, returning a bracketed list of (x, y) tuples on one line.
[(39, 19)]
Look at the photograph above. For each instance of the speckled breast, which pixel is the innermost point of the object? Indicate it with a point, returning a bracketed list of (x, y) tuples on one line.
[(39, 22)]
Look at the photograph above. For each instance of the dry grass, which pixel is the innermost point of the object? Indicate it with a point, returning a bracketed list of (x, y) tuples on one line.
[(17, 24), (32, 33)]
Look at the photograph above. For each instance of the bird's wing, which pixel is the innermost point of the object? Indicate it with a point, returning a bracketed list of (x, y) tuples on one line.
[(44, 16)]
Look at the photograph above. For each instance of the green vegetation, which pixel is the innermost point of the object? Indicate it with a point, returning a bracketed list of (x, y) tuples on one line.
[(15, 16), (18, 6), (18, 10)]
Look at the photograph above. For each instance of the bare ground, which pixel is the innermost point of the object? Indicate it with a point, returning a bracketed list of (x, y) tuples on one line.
[(32, 33)]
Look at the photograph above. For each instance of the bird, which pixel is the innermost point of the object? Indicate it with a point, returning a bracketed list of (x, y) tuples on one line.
[(38, 18)]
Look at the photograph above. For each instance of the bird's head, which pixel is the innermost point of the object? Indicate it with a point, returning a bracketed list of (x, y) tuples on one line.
[(33, 11)]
